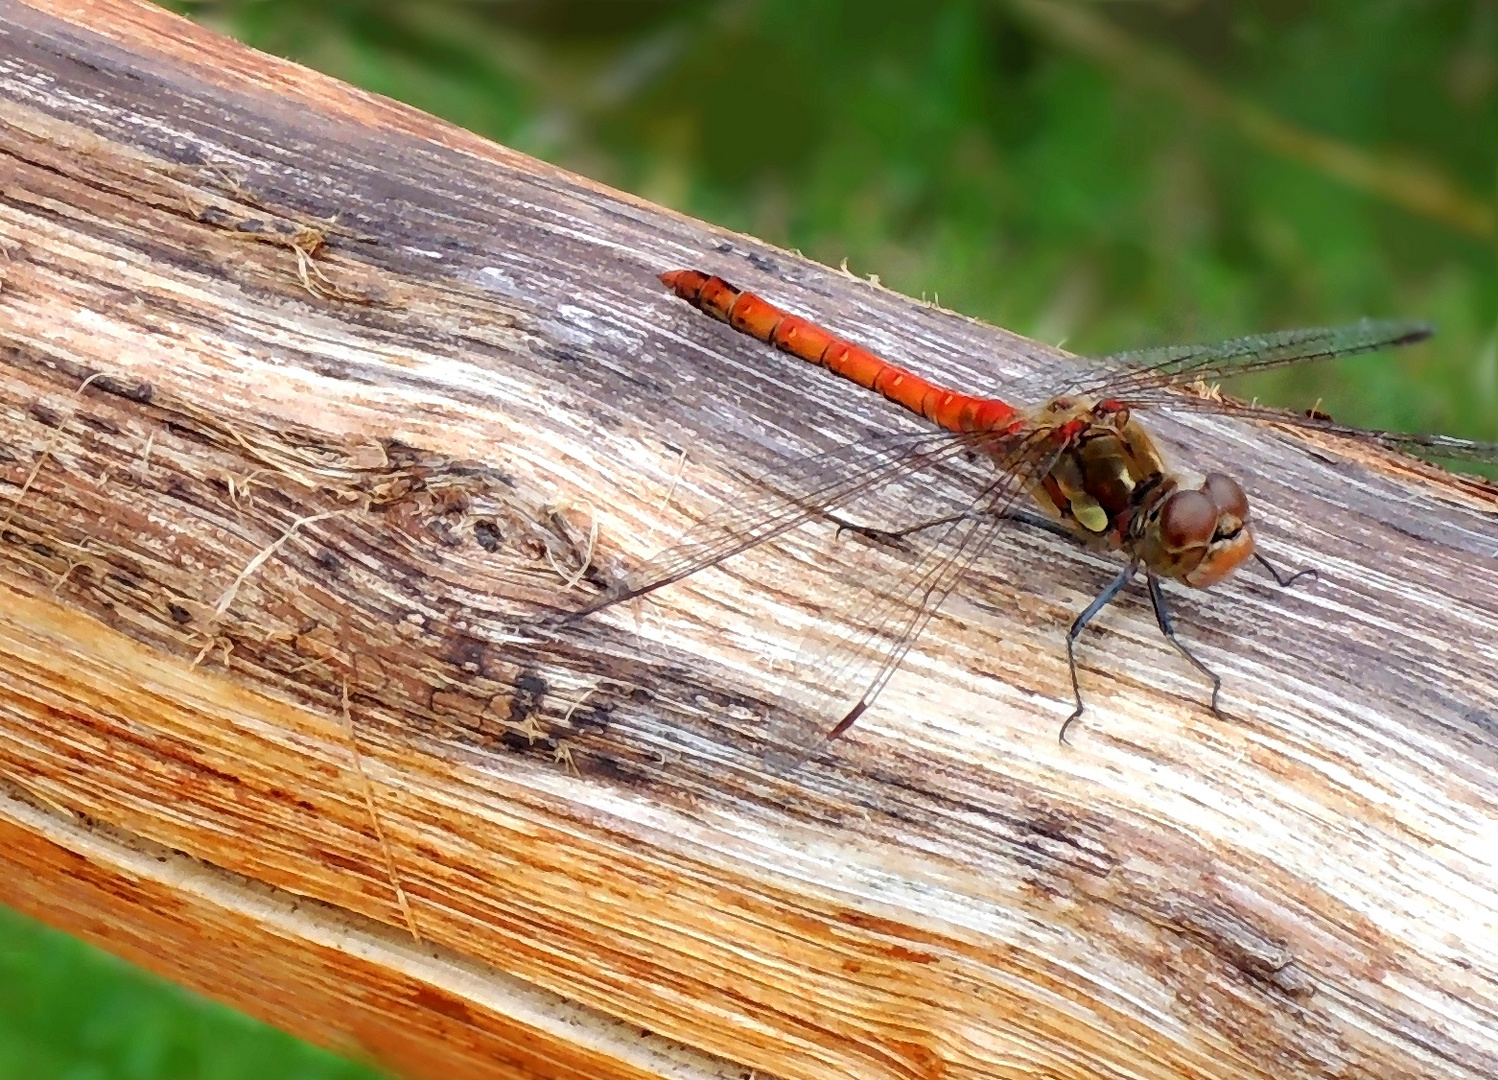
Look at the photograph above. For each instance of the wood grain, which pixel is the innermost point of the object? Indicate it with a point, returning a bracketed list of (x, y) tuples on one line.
[(309, 401)]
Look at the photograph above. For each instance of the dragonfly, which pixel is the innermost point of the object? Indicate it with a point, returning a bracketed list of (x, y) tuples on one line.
[(1084, 459)]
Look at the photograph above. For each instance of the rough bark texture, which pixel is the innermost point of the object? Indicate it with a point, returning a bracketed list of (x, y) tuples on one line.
[(307, 400)]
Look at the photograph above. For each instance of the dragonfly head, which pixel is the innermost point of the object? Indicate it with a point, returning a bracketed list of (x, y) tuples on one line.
[(1202, 534)]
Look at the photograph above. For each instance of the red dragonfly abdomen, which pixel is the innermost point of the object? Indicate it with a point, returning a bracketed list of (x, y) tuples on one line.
[(759, 318)]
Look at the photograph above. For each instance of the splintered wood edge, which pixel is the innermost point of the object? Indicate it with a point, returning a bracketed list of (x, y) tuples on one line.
[(277, 802), (319, 972)]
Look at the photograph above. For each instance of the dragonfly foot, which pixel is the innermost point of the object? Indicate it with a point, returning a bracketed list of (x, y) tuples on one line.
[(1216, 689), (878, 537), (1061, 735), (1286, 580)]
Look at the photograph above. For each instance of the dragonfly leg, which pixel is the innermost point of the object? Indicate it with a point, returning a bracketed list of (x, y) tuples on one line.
[(1013, 513), (1079, 624), (1162, 617), (894, 536), (1285, 580), (1044, 523)]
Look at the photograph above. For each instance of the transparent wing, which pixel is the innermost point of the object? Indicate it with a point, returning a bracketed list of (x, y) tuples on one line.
[(852, 483), (1441, 446), (849, 654), (1128, 375)]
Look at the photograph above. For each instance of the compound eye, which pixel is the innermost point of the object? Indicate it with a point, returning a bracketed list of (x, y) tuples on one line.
[(1227, 496), (1187, 520)]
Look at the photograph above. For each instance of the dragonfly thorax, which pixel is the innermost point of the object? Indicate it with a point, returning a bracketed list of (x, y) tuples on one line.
[(1111, 487)]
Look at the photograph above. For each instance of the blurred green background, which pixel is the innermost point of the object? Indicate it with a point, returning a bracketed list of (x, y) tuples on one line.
[(1101, 175)]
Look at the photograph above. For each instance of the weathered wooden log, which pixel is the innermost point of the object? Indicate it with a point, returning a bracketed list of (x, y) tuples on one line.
[(308, 402)]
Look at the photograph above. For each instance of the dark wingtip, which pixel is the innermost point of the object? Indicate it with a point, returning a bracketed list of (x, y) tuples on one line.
[(1413, 333)]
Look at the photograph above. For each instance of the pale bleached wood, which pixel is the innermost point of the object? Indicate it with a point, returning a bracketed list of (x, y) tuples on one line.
[(234, 491)]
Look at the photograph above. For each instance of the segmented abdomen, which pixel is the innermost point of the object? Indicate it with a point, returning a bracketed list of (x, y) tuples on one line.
[(758, 318)]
